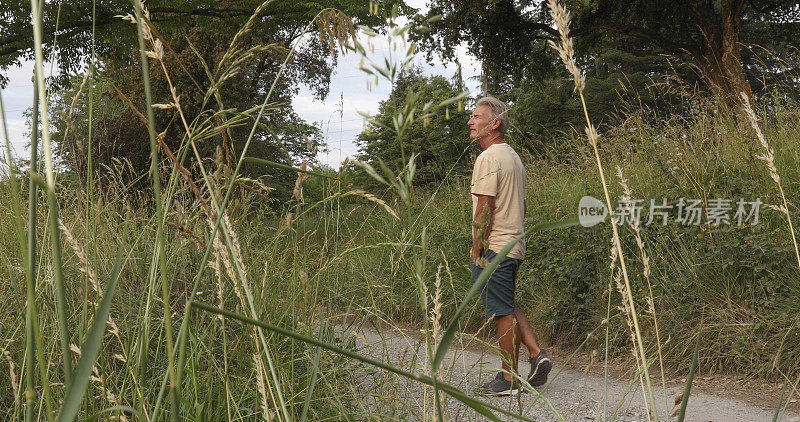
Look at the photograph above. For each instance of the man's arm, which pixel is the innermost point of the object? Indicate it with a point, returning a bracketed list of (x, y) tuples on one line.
[(481, 224)]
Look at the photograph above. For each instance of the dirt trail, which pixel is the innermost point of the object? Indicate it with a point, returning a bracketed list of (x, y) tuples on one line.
[(572, 394)]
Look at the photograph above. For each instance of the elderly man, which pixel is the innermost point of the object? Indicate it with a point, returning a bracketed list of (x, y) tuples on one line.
[(498, 209)]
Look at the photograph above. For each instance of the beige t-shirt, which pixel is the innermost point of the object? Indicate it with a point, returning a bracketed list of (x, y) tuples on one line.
[(499, 172)]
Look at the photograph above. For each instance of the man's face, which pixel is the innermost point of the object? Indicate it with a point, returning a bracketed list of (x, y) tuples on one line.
[(480, 122)]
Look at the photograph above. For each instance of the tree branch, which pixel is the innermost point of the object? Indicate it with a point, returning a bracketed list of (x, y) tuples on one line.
[(642, 33), (217, 13), (540, 27), (770, 8), (17, 42)]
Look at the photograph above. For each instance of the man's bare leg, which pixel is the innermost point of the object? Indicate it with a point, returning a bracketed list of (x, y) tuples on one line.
[(525, 333), (509, 343)]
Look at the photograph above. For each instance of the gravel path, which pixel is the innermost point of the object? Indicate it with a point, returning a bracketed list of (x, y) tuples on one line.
[(574, 395)]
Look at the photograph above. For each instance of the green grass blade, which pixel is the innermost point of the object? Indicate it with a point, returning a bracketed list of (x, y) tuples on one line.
[(157, 198), (13, 184), (34, 348), (61, 306), (314, 371), (789, 399), (484, 409), (91, 348), (30, 312), (688, 389), (447, 337), (780, 400)]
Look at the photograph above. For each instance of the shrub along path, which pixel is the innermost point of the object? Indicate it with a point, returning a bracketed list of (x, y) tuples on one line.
[(575, 394)]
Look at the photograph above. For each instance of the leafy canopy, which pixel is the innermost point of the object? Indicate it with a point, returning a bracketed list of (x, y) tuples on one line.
[(440, 140), (724, 40)]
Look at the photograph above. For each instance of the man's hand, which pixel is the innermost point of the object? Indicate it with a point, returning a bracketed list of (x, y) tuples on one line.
[(475, 253)]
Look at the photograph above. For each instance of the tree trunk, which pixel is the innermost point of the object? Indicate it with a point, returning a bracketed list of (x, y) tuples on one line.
[(721, 60)]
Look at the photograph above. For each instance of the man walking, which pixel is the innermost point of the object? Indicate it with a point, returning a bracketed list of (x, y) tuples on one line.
[(498, 209)]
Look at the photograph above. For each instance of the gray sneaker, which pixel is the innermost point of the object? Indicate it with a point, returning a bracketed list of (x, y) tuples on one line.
[(540, 367), (499, 387)]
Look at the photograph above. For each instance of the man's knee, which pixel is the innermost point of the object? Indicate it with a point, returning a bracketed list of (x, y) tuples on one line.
[(504, 319), (505, 322)]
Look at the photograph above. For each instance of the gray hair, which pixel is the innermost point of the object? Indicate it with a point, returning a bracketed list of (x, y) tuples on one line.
[(499, 111)]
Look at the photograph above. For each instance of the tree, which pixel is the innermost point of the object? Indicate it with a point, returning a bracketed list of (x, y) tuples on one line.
[(709, 34), (624, 75), (440, 141), (68, 26), (197, 36)]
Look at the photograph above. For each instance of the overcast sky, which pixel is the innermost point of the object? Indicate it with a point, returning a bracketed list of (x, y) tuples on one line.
[(348, 86)]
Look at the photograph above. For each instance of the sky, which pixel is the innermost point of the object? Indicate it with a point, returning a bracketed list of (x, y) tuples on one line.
[(348, 87)]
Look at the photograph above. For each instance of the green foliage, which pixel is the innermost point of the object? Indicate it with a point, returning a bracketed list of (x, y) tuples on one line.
[(734, 278), (68, 29), (197, 37), (617, 83), (438, 141), (509, 38)]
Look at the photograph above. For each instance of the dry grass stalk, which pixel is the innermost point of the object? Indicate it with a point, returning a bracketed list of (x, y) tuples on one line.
[(627, 310), (344, 164), (12, 375), (566, 53), (769, 159), (297, 192), (335, 29), (234, 264), (298, 183), (231, 51), (87, 269), (436, 311), (372, 198), (564, 48), (68, 116), (616, 275), (221, 255), (112, 325), (262, 387), (355, 192), (81, 254), (97, 378), (229, 261), (626, 199), (164, 147), (485, 324)]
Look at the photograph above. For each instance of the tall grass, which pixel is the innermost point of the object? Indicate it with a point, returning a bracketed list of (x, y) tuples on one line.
[(566, 53), (258, 296), (144, 347)]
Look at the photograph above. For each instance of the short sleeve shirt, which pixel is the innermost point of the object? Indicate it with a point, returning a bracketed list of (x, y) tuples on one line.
[(499, 172)]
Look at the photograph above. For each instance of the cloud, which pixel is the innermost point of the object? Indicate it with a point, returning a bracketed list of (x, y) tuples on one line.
[(17, 98)]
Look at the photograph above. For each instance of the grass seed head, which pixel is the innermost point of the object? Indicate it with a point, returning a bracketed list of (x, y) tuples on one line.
[(564, 47)]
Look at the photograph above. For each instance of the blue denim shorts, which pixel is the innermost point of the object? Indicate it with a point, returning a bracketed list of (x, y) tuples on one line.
[(497, 294)]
